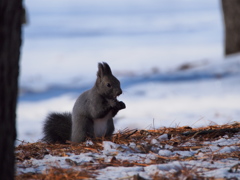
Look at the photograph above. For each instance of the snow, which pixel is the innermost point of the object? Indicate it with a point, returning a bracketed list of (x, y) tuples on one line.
[(163, 137), (154, 141), (229, 149), (224, 141), (165, 153), (107, 145), (145, 43), (114, 173)]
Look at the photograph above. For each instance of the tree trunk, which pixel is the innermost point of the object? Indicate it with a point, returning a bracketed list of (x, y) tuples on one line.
[(10, 42), (231, 13)]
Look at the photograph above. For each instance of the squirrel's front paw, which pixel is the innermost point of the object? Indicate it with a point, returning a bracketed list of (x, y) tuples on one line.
[(121, 105), (113, 103)]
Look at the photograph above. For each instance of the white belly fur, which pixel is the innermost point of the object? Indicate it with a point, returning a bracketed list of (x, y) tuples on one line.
[(100, 125)]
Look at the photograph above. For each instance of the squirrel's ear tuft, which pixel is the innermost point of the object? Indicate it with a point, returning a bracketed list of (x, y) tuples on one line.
[(103, 70), (107, 69), (100, 72)]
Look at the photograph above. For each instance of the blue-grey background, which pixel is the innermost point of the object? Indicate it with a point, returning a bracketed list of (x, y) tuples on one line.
[(146, 43)]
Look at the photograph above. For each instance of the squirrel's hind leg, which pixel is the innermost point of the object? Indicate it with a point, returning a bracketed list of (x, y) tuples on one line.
[(82, 128)]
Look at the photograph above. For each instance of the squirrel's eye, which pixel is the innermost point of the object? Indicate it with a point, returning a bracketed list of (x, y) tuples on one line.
[(109, 85)]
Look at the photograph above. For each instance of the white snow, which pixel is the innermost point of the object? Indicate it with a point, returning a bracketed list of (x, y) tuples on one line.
[(229, 149), (116, 172), (163, 137), (165, 153), (225, 141), (154, 141), (108, 145)]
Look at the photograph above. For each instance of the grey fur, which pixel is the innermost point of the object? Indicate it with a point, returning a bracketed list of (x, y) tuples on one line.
[(93, 109), (57, 127)]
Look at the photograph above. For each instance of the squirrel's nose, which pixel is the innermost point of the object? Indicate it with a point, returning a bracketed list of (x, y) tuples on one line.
[(119, 92)]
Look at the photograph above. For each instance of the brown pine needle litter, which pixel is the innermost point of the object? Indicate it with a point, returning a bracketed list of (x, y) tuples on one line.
[(143, 142)]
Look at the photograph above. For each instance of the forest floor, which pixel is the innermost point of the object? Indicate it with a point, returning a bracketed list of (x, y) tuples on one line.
[(211, 152)]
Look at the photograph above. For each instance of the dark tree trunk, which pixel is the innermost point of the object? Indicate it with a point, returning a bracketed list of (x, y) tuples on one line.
[(10, 42), (231, 13)]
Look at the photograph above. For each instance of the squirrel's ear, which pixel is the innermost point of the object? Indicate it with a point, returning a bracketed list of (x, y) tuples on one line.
[(100, 70), (107, 69)]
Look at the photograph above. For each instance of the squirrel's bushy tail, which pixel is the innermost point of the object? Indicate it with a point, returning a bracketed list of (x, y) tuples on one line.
[(57, 127)]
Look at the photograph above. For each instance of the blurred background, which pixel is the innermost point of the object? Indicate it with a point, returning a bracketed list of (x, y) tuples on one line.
[(168, 55)]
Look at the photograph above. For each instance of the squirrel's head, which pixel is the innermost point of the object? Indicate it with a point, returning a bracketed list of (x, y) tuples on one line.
[(107, 84)]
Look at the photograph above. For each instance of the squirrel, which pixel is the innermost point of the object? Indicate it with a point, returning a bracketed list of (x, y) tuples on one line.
[(92, 114)]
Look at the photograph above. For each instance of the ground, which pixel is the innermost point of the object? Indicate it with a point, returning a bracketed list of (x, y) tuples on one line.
[(211, 152)]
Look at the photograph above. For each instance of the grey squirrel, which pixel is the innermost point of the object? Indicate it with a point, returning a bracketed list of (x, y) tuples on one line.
[(92, 112)]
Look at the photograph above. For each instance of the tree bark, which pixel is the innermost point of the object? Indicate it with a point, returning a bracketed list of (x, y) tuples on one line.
[(231, 14), (10, 42)]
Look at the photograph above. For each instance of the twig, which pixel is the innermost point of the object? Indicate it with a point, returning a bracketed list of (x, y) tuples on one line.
[(131, 134)]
